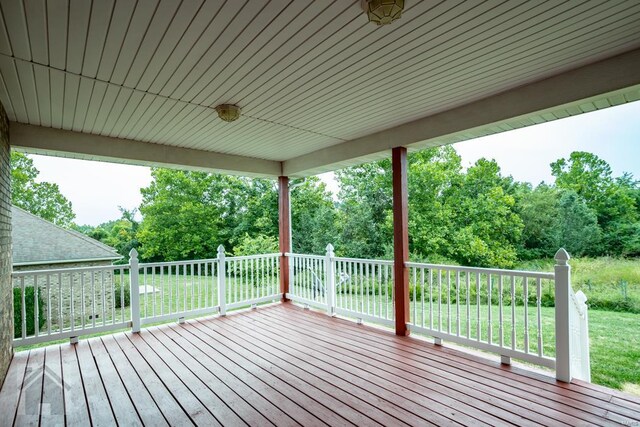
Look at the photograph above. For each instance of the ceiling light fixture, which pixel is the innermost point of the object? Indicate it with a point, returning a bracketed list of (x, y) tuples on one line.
[(228, 112), (383, 12)]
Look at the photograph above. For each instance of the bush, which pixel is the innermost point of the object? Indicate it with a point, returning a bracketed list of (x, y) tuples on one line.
[(118, 295), (29, 302)]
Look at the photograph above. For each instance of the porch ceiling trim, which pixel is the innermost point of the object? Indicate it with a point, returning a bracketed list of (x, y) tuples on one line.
[(65, 143), (558, 96)]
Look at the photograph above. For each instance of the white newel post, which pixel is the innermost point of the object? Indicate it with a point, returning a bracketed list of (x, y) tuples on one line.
[(134, 296), (222, 283), (563, 334), (330, 280)]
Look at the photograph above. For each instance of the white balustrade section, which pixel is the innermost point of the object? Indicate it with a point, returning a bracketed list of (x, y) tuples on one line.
[(174, 290), (307, 280), (67, 303), (507, 312), (252, 279), (351, 287), (494, 310), (64, 303)]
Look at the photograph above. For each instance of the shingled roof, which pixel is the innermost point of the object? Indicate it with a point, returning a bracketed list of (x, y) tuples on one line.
[(37, 241)]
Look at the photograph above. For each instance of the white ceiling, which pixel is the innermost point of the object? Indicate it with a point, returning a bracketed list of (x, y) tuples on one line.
[(308, 74)]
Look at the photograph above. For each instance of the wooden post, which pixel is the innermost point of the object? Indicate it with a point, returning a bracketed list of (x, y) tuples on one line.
[(284, 216), (400, 238), (134, 291), (563, 334)]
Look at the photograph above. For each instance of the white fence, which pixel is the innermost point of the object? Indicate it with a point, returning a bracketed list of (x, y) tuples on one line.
[(68, 303), (493, 310)]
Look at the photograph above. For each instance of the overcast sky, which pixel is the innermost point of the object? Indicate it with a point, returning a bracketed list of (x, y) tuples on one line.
[(96, 189)]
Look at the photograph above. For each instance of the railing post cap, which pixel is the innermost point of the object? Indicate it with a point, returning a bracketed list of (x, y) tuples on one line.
[(562, 256), (330, 249), (133, 253), (221, 249)]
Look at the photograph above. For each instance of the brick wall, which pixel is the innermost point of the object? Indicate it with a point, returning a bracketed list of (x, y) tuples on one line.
[(6, 297)]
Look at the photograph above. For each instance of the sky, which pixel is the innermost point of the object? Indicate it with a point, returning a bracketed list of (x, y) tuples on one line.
[(97, 189)]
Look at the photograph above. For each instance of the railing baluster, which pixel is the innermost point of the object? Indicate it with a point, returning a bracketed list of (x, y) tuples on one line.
[(479, 322), (500, 307), (422, 299), (431, 298), (458, 303), (23, 308), (526, 314), (448, 301), (61, 320), (415, 299), (539, 314), (468, 280), (36, 306), (71, 304), (439, 300), (49, 311), (513, 312), (489, 322)]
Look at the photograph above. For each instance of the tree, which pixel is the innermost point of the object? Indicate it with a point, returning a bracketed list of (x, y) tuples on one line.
[(486, 229), (186, 215), (363, 210), (614, 200), (42, 199), (579, 232), (313, 217)]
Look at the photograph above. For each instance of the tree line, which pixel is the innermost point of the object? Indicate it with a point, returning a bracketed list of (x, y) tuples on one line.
[(471, 216)]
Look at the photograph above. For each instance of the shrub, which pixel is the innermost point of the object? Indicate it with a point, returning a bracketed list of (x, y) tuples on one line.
[(118, 295), (29, 302)]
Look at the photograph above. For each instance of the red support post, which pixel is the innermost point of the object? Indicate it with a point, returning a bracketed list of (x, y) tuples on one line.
[(284, 217), (400, 238)]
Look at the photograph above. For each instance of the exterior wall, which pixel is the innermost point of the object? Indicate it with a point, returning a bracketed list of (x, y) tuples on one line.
[(6, 297)]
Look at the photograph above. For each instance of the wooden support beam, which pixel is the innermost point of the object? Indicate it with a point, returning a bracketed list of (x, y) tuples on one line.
[(400, 238), (284, 218)]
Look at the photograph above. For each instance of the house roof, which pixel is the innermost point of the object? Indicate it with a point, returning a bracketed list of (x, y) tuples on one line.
[(37, 241), (319, 87)]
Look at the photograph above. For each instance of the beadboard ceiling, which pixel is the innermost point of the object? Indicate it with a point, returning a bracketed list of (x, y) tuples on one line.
[(308, 74)]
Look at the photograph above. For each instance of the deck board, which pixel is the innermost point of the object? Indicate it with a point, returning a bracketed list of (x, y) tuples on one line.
[(282, 365)]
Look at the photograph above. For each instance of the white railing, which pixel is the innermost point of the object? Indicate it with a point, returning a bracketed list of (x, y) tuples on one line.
[(506, 312), (65, 303), (494, 310), (68, 303), (252, 280), (579, 337), (500, 311), (351, 287), (173, 290)]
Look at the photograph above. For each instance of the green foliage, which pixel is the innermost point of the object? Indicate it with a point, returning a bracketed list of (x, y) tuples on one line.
[(29, 302), (614, 200), (42, 199), (313, 217), (122, 289), (257, 244)]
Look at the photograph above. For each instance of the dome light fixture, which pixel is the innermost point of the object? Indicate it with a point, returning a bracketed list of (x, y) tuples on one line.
[(228, 112), (382, 12)]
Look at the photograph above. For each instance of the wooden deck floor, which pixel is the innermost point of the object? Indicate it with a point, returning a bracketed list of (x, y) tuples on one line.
[(285, 366)]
